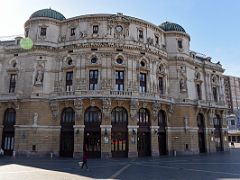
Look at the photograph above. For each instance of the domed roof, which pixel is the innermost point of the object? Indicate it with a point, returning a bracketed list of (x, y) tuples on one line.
[(49, 13), (169, 26)]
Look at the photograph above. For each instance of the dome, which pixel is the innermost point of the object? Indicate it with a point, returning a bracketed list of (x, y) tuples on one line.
[(169, 26), (49, 13)]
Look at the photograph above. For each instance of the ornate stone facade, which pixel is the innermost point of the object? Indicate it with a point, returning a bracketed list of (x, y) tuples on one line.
[(110, 85)]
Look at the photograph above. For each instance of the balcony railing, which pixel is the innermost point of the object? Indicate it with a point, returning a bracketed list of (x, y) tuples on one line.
[(113, 93)]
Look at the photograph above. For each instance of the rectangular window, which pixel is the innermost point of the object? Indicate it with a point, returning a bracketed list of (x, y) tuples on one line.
[(43, 31), (157, 39), (199, 92), (180, 44), (143, 83), (12, 84), (73, 31), (93, 79), (69, 81), (26, 32), (119, 80), (215, 97), (95, 29), (161, 85), (232, 122), (140, 34)]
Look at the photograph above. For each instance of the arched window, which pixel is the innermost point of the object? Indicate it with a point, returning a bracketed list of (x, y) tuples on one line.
[(9, 117), (143, 117), (161, 119), (119, 116), (93, 115), (68, 116)]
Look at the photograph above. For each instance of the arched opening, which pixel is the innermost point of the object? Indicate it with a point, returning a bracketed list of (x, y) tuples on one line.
[(201, 134), (143, 134), (217, 133), (8, 131), (67, 132), (92, 132), (119, 132), (162, 138)]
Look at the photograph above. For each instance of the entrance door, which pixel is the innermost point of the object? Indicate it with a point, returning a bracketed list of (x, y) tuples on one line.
[(201, 142), (8, 131), (92, 144), (119, 144), (143, 144), (67, 133), (162, 143), (217, 133), (92, 132), (8, 141), (201, 135), (67, 143)]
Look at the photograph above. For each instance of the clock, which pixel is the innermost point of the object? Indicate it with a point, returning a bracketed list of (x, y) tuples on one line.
[(119, 28)]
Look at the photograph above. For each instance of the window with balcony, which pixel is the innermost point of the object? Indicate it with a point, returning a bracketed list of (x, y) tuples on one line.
[(43, 31), (180, 44), (12, 85), (199, 91), (93, 79), (73, 31), (119, 80), (95, 29), (157, 40), (69, 81), (215, 96), (143, 83), (161, 86), (140, 34)]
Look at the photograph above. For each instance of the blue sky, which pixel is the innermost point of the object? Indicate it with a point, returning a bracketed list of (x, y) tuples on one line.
[(212, 24)]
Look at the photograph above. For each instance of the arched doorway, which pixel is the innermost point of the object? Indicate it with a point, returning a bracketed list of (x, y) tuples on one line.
[(67, 132), (201, 134), (8, 131), (119, 132), (218, 133), (92, 132), (162, 141), (143, 134)]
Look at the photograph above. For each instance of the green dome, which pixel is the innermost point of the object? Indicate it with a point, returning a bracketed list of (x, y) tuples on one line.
[(169, 26), (49, 13)]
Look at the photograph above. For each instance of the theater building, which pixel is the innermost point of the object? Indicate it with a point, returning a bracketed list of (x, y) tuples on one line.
[(110, 85)]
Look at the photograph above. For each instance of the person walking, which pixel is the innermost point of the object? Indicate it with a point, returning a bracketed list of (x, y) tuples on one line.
[(85, 161)]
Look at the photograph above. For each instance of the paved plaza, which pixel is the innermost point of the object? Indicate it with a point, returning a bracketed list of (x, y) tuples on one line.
[(224, 165)]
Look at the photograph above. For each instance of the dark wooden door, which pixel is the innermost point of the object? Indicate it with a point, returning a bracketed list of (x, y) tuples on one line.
[(8, 141), (92, 144), (143, 144), (67, 143), (162, 143), (119, 144), (201, 142)]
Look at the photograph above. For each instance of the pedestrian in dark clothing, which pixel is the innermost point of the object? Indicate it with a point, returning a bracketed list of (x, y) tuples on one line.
[(84, 161)]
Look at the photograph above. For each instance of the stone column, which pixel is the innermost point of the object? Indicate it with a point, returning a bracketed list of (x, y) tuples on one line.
[(132, 141), (78, 129), (106, 141), (78, 140), (154, 141)]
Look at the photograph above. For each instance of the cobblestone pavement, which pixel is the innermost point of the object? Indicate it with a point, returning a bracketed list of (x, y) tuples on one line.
[(224, 165)]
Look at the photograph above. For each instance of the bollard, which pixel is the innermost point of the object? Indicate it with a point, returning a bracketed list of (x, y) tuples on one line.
[(174, 153), (51, 154), (14, 154)]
